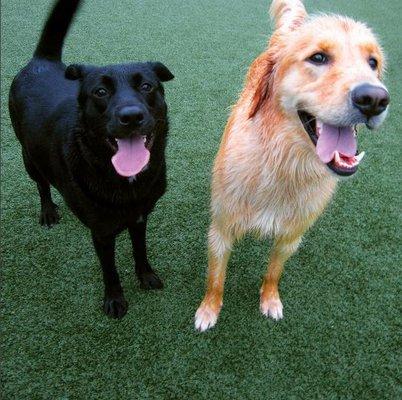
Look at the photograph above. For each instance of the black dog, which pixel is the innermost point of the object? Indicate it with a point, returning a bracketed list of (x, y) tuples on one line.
[(98, 135)]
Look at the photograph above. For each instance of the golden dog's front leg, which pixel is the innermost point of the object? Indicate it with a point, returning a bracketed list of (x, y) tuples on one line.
[(270, 302), (219, 248)]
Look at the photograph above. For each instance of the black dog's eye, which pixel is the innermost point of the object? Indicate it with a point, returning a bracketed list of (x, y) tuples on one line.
[(319, 59), (373, 63), (101, 92), (146, 87)]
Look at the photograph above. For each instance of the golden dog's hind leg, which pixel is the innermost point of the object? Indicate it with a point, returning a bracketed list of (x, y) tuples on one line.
[(219, 249), (270, 302)]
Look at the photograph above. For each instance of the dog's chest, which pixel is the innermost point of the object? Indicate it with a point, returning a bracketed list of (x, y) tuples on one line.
[(278, 207), (271, 202), (272, 186), (105, 209)]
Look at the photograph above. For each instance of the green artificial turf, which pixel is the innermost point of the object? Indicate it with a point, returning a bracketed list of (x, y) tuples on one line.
[(341, 292)]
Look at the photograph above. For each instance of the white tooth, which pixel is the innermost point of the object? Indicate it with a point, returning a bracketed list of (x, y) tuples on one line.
[(318, 125), (360, 156), (337, 157)]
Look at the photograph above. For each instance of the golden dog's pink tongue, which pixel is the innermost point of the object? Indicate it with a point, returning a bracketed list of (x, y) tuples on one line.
[(334, 138), (131, 157)]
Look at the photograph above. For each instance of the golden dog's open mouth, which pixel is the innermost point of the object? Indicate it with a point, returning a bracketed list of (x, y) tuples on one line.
[(335, 146)]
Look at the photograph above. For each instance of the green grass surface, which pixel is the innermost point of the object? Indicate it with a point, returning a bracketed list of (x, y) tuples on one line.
[(341, 292)]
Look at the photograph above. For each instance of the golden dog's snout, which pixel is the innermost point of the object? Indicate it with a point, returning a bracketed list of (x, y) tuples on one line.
[(371, 100)]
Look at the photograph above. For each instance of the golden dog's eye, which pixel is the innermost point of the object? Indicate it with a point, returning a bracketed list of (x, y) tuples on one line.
[(101, 92), (319, 58), (373, 63)]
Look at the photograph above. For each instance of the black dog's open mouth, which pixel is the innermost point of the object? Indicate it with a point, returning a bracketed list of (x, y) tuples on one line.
[(148, 140), (335, 146), (132, 154)]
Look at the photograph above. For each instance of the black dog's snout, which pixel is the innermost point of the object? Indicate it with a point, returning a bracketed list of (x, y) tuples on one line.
[(130, 116), (370, 100)]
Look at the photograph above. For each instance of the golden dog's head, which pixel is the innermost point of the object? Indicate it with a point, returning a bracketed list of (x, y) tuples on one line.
[(325, 72)]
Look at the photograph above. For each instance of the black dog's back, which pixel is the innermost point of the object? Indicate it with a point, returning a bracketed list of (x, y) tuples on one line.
[(37, 92), (98, 135), (40, 100), (40, 87)]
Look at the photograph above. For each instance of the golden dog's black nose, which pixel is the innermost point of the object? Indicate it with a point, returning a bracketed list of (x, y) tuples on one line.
[(370, 100)]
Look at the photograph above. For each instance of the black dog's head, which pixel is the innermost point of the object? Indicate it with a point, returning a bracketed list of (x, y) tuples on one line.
[(123, 104)]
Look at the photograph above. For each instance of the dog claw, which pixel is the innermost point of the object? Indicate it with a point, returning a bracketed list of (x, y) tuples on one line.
[(49, 216), (115, 307), (205, 318), (272, 308), (149, 281)]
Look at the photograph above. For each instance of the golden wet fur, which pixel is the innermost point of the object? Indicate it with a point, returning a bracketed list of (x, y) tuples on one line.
[(267, 177)]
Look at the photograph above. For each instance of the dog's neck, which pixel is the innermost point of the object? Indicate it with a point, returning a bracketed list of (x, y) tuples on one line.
[(90, 156), (93, 148), (285, 136), (92, 171)]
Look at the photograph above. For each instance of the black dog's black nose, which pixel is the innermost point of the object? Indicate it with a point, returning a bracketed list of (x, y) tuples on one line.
[(370, 100), (130, 115)]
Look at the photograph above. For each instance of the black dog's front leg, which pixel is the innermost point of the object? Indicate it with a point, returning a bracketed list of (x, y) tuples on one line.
[(147, 277), (114, 304)]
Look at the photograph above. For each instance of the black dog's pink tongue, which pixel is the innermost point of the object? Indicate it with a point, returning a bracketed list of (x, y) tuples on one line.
[(131, 157), (334, 138)]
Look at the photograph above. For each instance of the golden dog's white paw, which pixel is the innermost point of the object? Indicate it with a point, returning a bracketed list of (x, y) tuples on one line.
[(205, 317), (272, 308)]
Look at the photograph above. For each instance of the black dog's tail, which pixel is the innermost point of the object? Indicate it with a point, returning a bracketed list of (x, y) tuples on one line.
[(50, 45)]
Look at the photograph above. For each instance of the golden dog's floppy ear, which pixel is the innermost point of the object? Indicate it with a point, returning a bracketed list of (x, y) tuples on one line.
[(287, 15), (263, 70)]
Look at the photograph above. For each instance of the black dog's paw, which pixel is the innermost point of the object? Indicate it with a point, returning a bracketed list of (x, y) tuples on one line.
[(49, 216), (115, 307), (149, 280)]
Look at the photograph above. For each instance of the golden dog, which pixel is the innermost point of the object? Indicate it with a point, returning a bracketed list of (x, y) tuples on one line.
[(289, 137)]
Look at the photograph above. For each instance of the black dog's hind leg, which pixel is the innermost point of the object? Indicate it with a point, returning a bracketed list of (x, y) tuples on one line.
[(145, 274), (48, 214), (114, 303)]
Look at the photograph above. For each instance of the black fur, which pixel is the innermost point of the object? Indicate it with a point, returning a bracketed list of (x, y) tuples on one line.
[(67, 127)]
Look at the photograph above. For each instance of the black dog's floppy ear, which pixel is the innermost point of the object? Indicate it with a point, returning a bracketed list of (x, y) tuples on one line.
[(161, 71), (76, 71)]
